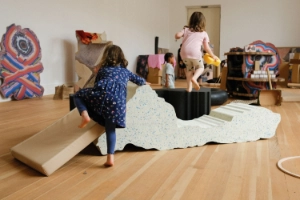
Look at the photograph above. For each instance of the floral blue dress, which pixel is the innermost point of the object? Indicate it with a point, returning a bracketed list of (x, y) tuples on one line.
[(107, 99)]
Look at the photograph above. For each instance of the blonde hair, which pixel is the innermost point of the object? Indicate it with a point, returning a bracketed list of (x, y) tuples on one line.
[(197, 22)]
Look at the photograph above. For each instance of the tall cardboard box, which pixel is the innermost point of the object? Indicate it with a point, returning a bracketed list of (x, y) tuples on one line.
[(154, 75), (155, 71), (156, 80)]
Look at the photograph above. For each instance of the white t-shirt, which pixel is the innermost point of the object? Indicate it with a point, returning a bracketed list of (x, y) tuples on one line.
[(191, 44), (168, 69)]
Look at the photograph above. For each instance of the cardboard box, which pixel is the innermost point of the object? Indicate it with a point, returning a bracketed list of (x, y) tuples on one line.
[(269, 97), (154, 79), (155, 71)]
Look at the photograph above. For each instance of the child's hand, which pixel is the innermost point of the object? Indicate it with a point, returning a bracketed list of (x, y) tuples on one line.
[(96, 69), (147, 83), (215, 57)]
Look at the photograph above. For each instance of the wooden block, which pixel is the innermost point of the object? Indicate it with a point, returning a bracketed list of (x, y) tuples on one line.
[(296, 56), (58, 92), (224, 78), (295, 61), (290, 95), (269, 79), (295, 73), (67, 90), (294, 84), (269, 97), (257, 66), (154, 79), (284, 73), (218, 71)]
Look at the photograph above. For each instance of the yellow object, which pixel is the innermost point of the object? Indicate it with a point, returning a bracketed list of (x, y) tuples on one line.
[(209, 60)]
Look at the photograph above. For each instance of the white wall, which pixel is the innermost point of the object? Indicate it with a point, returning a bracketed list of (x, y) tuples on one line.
[(131, 24), (244, 21)]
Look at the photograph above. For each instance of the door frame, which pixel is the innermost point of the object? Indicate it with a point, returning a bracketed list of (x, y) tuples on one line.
[(216, 70), (203, 7)]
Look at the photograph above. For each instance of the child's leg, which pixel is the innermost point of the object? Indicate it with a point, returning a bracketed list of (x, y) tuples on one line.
[(82, 111), (110, 129), (189, 76), (188, 73), (199, 67), (197, 73)]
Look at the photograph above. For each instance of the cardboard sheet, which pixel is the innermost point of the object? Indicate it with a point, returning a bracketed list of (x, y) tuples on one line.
[(52, 147)]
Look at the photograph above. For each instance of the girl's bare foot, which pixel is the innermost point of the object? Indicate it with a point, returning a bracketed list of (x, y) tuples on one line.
[(85, 119), (110, 160), (189, 86), (195, 84), (188, 90)]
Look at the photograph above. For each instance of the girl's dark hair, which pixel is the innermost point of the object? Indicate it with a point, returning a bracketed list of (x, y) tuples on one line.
[(168, 56), (113, 56), (197, 22)]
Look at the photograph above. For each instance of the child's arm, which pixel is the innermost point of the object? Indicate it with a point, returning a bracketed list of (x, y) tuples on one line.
[(137, 79), (169, 72), (96, 69), (181, 33), (209, 51), (178, 35), (167, 81)]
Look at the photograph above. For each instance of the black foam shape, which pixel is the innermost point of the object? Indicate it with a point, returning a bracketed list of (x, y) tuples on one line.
[(187, 105)]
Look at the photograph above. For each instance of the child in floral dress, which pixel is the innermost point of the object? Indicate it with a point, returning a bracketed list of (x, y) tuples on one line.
[(105, 103)]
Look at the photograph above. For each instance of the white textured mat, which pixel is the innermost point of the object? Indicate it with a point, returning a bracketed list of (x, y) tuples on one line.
[(152, 124)]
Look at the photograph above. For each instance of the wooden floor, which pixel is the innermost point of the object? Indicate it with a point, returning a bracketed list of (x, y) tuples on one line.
[(215, 171)]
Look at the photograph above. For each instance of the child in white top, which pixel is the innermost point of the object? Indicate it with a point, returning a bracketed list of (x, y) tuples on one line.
[(168, 75), (194, 36)]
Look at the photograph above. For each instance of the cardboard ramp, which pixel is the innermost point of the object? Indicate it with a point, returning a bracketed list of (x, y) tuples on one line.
[(52, 147)]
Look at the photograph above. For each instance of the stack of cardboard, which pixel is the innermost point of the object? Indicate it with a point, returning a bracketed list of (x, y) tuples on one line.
[(154, 76), (63, 92)]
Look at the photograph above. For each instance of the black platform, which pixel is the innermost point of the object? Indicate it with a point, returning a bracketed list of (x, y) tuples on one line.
[(187, 105), (71, 102)]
